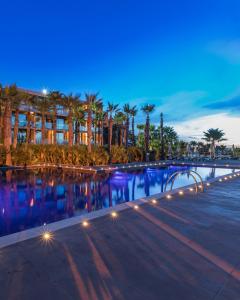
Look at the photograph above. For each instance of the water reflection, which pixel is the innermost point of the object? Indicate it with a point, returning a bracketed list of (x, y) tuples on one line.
[(32, 198)]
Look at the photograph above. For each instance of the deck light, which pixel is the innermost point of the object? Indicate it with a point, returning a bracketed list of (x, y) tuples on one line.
[(191, 189), (180, 193), (136, 207), (154, 201), (208, 184), (114, 214), (225, 178), (85, 224), (220, 180), (169, 196), (47, 236), (230, 177)]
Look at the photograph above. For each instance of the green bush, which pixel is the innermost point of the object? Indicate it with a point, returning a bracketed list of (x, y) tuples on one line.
[(26, 154), (119, 155), (135, 154)]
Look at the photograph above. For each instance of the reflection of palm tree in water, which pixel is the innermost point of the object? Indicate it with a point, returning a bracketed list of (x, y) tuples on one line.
[(133, 187), (147, 185)]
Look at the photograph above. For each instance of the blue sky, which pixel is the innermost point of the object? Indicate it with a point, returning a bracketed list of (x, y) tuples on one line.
[(183, 56)]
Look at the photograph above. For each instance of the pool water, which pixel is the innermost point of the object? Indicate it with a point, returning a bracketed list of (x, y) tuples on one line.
[(32, 198)]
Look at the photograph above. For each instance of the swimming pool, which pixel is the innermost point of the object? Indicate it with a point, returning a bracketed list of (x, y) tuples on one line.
[(30, 198)]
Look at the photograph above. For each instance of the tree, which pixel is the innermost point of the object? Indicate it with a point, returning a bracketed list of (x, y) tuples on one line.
[(161, 135), (100, 117), (133, 113), (56, 99), (91, 101), (112, 110), (79, 119), (69, 102), (147, 109), (119, 120), (43, 107), (127, 110), (212, 136), (8, 97)]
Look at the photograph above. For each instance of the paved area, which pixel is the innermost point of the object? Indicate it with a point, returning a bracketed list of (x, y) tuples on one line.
[(184, 248)]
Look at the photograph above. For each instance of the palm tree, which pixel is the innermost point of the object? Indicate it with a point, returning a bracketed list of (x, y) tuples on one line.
[(147, 109), (127, 110), (92, 101), (8, 96), (43, 107), (79, 118), (69, 103), (133, 113), (96, 109), (56, 99), (112, 110), (29, 101), (119, 120), (214, 135), (100, 117)]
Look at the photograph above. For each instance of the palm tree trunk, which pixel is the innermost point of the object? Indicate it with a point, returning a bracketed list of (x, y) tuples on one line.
[(43, 128), (89, 130), (1, 126), (70, 129), (127, 133), (102, 142), (15, 130), (7, 132), (133, 132), (110, 128), (121, 135), (55, 127), (28, 127), (147, 135), (95, 134), (77, 138)]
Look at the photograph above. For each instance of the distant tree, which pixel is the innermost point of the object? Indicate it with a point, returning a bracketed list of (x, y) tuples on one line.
[(112, 109), (133, 113), (147, 109), (212, 136)]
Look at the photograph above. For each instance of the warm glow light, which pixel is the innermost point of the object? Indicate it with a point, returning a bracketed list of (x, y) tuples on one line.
[(47, 236), (191, 189), (220, 180), (136, 207), (85, 223), (180, 192), (230, 176), (169, 196), (225, 178), (114, 214), (154, 201), (208, 184)]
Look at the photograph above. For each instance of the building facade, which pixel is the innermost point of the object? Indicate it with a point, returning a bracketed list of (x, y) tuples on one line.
[(30, 126)]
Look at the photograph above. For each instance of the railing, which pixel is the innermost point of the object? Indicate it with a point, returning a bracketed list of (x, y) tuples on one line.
[(191, 173)]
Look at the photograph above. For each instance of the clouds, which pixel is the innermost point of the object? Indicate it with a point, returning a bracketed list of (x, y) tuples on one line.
[(193, 128), (178, 106), (228, 49), (229, 104)]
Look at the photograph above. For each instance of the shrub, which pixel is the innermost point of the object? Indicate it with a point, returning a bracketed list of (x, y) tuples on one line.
[(119, 155), (135, 154)]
